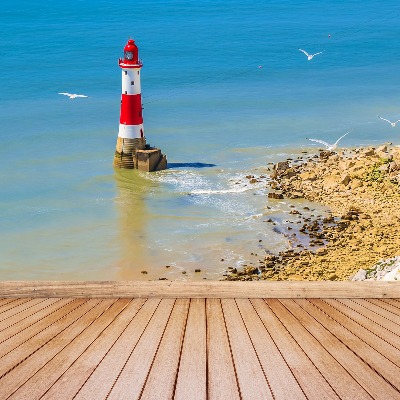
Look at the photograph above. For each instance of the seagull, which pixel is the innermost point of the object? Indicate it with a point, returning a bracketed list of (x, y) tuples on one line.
[(327, 145), (390, 122), (72, 95), (310, 56)]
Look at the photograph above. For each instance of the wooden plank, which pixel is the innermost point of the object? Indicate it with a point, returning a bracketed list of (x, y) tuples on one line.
[(16, 352), (160, 383), (48, 374), (282, 382), (132, 378), (381, 327), (24, 324), (192, 372), (135, 371), (383, 347), (101, 381), (30, 366), (253, 383), (4, 302), (385, 309), (211, 289), (12, 303), (20, 337), (307, 375), (362, 361), (221, 377), (360, 307), (21, 307), (316, 343), (76, 375), (394, 302), (27, 313)]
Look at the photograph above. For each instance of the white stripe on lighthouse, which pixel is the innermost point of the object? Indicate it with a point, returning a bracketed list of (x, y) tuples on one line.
[(131, 81), (131, 131)]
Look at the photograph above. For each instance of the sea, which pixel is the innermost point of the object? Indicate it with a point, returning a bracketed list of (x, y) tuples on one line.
[(226, 92)]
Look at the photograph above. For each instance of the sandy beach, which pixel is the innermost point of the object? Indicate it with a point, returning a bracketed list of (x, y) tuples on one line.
[(360, 188)]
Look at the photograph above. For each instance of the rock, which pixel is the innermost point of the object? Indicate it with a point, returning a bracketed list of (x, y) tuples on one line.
[(382, 149), (308, 176), (356, 183), (289, 173), (368, 152), (275, 195), (295, 195), (345, 180), (361, 275), (281, 166), (393, 166), (324, 155), (384, 168), (321, 252), (330, 182)]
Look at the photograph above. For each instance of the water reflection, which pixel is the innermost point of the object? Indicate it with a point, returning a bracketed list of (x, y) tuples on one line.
[(133, 187)]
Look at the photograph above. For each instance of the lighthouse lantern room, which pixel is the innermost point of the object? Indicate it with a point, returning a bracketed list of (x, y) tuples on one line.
[(132, 150)]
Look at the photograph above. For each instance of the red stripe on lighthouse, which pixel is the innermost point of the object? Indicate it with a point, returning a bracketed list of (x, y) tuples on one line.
[(131, 109)]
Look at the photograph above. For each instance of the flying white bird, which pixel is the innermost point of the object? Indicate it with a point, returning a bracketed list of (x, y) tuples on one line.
[(390, 122), (310, 56), (328, 145), (72, 95)]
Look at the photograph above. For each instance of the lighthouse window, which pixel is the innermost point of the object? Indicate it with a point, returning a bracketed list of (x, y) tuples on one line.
[(126, 92), (138, 72), (132, 82), (126, 72)]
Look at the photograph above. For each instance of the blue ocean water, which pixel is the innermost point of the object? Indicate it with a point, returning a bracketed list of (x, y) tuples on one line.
[(225, 91)]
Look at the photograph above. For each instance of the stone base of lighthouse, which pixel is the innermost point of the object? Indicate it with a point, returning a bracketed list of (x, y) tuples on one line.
[(136, 154)]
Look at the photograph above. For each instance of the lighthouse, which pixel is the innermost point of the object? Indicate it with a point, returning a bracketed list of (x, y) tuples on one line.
[(131, 150)]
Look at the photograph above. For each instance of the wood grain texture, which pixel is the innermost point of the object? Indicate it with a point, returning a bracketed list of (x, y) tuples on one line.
[(192, 373), (362, 360), (221, 376), (160, 383), (316, 348), (103, 378), (382, 328), (212, 289), (69, 383), (40, 383), (217, 349), (22, 372), (141, 358), (281, 380), (253, 383), (364, 312), (20, 308), (313, 383)]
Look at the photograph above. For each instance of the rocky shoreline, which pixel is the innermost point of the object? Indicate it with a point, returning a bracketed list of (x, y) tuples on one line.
[(361, 189)]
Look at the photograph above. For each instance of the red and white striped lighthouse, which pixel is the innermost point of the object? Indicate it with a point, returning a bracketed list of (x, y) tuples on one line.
[(131, 138)]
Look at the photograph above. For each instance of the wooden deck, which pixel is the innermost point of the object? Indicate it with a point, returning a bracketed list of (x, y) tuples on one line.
[(307, 345)]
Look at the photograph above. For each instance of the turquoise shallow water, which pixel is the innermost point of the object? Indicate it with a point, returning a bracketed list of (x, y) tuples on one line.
[(66, 214)]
